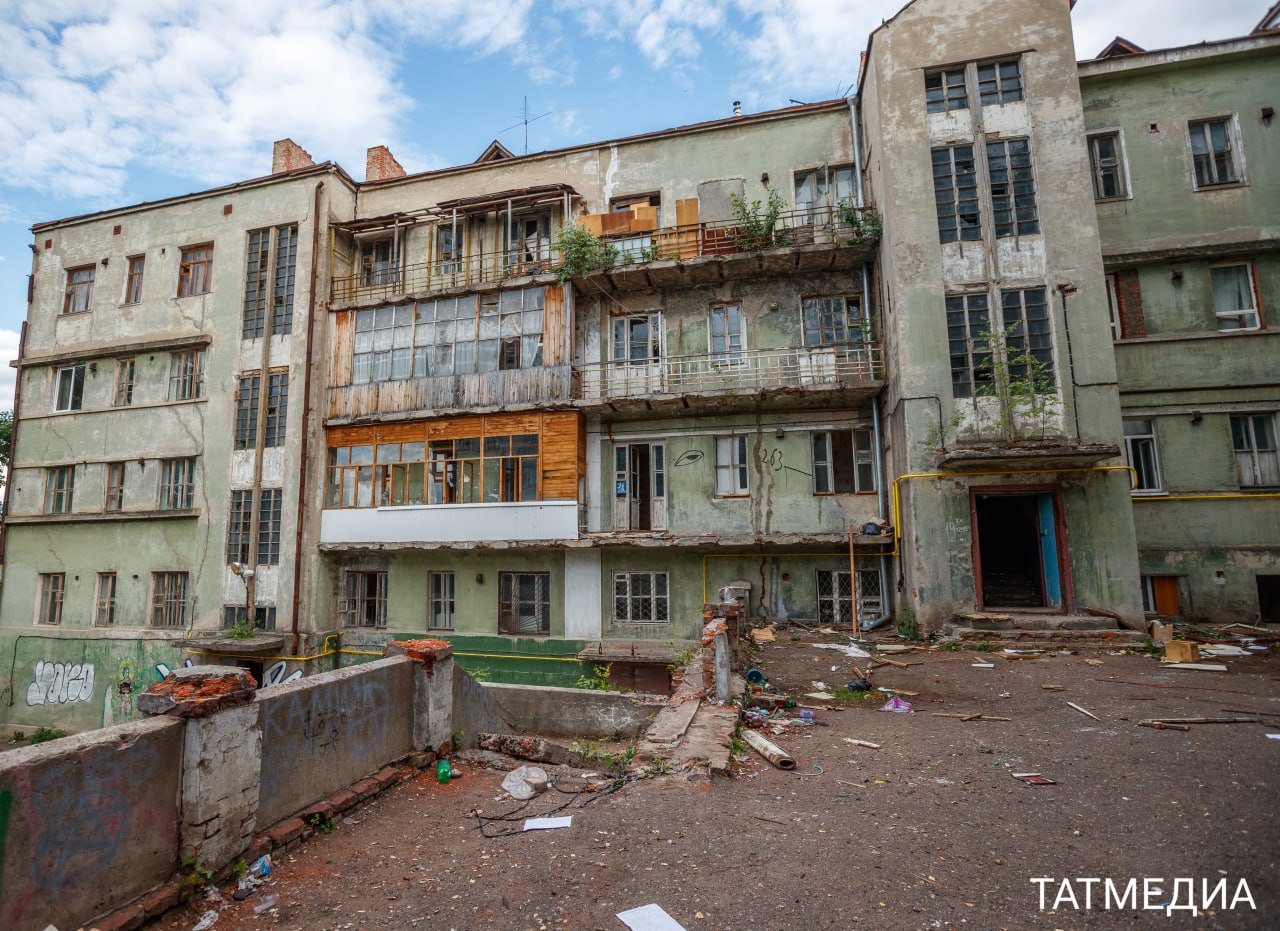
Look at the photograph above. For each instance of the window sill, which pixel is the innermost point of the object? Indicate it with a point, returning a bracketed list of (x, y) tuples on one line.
[(741, 497), (1224, 186), (77, 517), (1118, 199), (525, 633), (1197, 334), (1161, 493)]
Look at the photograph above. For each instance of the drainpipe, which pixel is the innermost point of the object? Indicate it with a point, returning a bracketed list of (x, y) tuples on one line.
[(857, 147)]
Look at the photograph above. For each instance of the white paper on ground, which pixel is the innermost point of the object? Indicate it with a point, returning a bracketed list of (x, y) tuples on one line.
[(546, 824), (1273, 737), (649, 918), (850, 650)]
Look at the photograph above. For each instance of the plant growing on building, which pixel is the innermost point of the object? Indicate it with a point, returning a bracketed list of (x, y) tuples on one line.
[(598, 679), (863, 225), (195, 875), (1020, 385), (320, 823), (658, 766), (242, 629), (44, 734), (756, 222), (682, 658), (582, 252)]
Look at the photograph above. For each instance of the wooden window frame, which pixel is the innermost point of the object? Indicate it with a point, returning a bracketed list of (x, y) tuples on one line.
[(114, 498), (1211, 178), (53, 589), (860, 467), (59, 489), (1252, 447), (1222, 316), (1134, 442), (1015, 206), (971, 344), (170, 599), (955, 192), (270, 516), (996, 84), (78, 298), (353, 606), (104, 600), (732, 472), (195, 270), (177, 483), (186, 375), (939, 90), (239, 526), (126, 376), (1117, 165), (133, 278)]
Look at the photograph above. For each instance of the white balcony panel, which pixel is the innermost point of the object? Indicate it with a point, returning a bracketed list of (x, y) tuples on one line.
[(526, 520)]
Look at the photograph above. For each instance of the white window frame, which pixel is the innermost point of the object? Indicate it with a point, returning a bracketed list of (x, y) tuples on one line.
[(623, 346), (441, 600), (1232, 122), (350, 607), (74, 376), (625, 599), (728, 347), (1113, 308), (861, 451), (1245, 315), (1121, 166), (733, 466), (1132, 455)]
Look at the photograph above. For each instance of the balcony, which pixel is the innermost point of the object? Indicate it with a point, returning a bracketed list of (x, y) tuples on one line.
[(432, 526), (392, 282), (853, 371)]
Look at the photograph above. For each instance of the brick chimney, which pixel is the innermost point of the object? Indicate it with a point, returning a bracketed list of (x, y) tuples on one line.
[(380, 165), (289, 156)]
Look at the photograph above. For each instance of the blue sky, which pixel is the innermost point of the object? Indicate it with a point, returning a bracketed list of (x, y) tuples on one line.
[(111, 102)]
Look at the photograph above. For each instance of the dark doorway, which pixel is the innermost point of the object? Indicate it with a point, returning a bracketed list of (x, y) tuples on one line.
[(1010, 550), (1269, 598), (641, 490)]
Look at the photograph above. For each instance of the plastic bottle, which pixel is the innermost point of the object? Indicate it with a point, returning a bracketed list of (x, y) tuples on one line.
[(443, 772)]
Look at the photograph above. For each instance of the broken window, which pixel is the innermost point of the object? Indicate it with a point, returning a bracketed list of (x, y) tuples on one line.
[(945, 91), (455, 471), (640, 598), (624, 204), (969, 342), (524, 603), (1235, 302), (955, 193), (282, 287), (817, 190), (1254, 438), (999, 82), (378, 265), (832, 320), (186, 375), (126, 370), (638, 339), (843, 462), (52, 587), (59, 489), (114, 500), (277, 408), (79, 296), (257, 261), (195, 270), (731, 466), (239, 522), (1028, 337), (365, 604), (1212, 153), (133, 279), (104, 601), (169, 599), (728, 335), (246, 431), (440, 586), (530, 239), (1140, 451), (68, 391), (1106, 162), (177, 483), (268, 283), (1013, 188), (448, 251), (269, 511)]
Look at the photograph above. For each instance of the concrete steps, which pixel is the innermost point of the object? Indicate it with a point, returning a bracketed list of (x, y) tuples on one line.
[(1041, 631)]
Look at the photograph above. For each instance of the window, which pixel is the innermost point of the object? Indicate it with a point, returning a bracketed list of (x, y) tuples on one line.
[(365, 604), (238, 523), (969, 342), (269, 283), (68, 389), (186, 375), (1254, 439), (59, 488), (1028, 337), (832, 320), (524, 602), (1113, 308), (52, 587), (728, 335), (1107, 164), (286, 270), (449, 337), (1234, 300), (944, 91), (441, 587), (79, 297), (530, 238), (126, 370), (377, 262), (133, 279), (637, 340), (999, 82), (446, 251), (169, 599), (1212, 155), (257, 263), (104, 601), (819, 189), (269, 507), (1013, 188), (836, 596), (277, 408), (1140, 451), (510, 468), (195, 270), (843, 463), (177, 483), (115, 487), (264, 616), (731, 466), (247, 411), (955, 193), (640, 598)]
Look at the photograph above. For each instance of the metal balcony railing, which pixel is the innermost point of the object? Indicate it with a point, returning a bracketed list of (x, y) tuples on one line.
[(386, 282), (820, 367)]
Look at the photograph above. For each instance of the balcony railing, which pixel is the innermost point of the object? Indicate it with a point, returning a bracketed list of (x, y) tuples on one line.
[(387, 282), (820, 367)]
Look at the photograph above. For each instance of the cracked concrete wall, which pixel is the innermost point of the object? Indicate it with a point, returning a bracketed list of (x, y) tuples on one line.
[(221, 761)]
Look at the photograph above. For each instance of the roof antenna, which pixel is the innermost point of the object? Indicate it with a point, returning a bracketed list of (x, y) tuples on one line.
[(737, 108), (525, 123)]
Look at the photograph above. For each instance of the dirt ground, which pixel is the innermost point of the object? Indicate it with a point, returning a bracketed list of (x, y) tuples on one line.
[(930, 831)]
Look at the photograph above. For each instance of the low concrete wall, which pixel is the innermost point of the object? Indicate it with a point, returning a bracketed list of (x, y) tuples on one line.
[(325, 732), (557, 712), (88, 823)]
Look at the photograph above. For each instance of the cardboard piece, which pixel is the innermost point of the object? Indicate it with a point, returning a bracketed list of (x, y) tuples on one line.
[(1181, 651)]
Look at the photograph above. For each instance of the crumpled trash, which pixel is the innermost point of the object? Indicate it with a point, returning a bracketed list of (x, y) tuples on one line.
[(261, 866), (207, 921), (897, 705), (859, 685), (268, 902), (524, 782)]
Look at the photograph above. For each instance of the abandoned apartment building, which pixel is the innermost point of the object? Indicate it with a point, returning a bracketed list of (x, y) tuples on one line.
[(990, 335)]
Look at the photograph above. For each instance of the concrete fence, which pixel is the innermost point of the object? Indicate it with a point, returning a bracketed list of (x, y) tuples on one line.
[(90, 823)]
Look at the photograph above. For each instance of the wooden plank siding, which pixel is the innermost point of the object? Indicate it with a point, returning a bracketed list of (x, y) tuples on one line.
[(543, 385), (553, 323)]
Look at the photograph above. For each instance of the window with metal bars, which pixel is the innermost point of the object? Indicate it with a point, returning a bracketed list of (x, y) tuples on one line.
[(999, 82), (836, 596), (177, 483), (1013, 188), (114, 500), (59, 489), (239, 522), (269, 509), (247, 411), (945, 91), (955, 193), (365, 604), (641, 598), (969, 343), (52, 587), (104, 601), (524, 603), (169, 599)]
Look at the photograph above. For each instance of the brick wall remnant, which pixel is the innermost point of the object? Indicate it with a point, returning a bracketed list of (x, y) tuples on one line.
[(287, 155), (381, 165)]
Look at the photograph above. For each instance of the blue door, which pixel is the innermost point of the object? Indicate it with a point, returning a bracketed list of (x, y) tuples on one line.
[(1049, 551)]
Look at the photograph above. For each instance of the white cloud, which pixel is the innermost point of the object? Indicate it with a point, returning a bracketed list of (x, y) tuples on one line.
[(8, 375)]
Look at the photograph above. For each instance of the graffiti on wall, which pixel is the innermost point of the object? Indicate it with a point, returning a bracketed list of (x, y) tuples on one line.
[(131, 680), (278, 674), (60, 683)]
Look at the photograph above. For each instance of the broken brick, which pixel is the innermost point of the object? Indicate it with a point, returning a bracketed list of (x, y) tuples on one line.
[(158, 901), (125, 919), (343, 800), (286, 831)]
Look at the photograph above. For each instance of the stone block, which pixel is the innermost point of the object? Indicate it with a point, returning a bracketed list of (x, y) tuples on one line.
[(198, 691)]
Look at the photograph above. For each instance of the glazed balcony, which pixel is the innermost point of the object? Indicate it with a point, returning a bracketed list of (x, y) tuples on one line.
[(848, 372), (429, 526)]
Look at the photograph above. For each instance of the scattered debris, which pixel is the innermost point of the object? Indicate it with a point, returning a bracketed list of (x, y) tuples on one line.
[(1181, 651), (1084, 711), (769, 750), (1253, 720), (1054, 688), (898, 706), (1273, 737), (649, 918), (848, 649), (1093, 662), (885, 661), (524, 782), (859, 685), (820, 696), (547, 824), (762, 635), (858, 785), (267, 903), (535, 749), (1162, 726), (984, 665), (1203, 667), (207, 921), (1033, 779), (770, 820), (889, 691), (978, 716), (861, 743), (1224, 649)]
